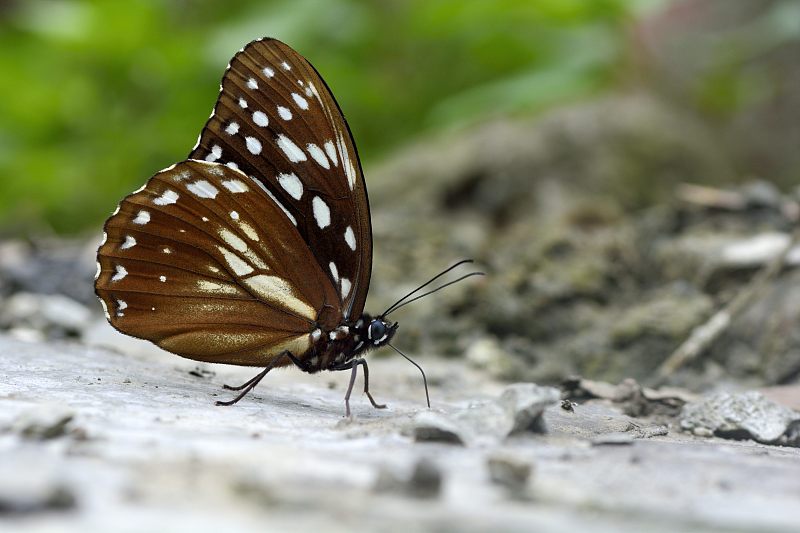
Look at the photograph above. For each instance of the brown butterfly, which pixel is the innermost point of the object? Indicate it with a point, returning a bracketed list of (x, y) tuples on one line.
[(257, 250)]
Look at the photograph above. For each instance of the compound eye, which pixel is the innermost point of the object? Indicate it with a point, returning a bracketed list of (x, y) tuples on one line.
[(377, 329)]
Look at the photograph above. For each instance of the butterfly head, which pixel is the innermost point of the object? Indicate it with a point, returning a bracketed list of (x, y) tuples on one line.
[(380, 332)]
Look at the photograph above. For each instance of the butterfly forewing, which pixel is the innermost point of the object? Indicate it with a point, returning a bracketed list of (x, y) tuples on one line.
[(277, 122), (204, 263)]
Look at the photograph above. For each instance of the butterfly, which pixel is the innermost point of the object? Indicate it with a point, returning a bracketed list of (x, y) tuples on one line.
[(257, 249)]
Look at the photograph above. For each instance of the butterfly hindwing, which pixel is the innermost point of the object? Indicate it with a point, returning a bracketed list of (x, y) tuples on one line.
[(276, 121), (203, 262)]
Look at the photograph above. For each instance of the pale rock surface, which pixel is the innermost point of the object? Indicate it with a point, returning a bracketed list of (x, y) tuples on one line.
[(145, 449)]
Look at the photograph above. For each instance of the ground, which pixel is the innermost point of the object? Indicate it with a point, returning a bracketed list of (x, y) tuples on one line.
[(93, 439)]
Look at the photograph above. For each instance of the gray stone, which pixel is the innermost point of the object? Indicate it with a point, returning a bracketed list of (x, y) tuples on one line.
[(484, 422), (433, 427), (738, 415), (647, 432), (426, 479), (64, 312), (509, 471), (526, 403), (46, 421), (45, 312)]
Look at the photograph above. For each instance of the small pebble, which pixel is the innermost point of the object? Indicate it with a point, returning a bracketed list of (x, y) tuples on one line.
[(426, 480), (431, 427), (738, 415), (510, 472), (527, 402), (43, 422), (54, 498)]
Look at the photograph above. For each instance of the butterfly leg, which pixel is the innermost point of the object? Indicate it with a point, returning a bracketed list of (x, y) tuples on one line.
[(375, 404), (243, 385), (354, 364), (251, 384), (349, 390)]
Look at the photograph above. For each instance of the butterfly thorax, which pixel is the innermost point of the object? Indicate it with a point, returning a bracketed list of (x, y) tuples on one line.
[(334, 349)]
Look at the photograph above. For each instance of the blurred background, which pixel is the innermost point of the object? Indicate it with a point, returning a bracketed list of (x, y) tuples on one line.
[(621, 168)]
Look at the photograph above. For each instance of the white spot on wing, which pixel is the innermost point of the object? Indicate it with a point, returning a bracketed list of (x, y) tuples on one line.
[(261, 119), (119, 273), (239, 267), (216, 170), (203, 189), (241, 246), (183, 175), (292, 151), (231, 164), (286, 66), (291, 184), (105, 309), (249, 231), (168, 197), (276, 290), (253, 145), (301, 102), (162, 279), (234, 215), (252, 84), (322, 213), (235, 186), (347, 165), (330, 149), (312, 89), (232, 128), (216, 153), (233, 240), (284, 113), (166, 250), (334, 271), (121, 306), (242, 103), (350, 238), (345, 287), (214, 287), (350, 171), (268, 72), (318, 155), (142, 218), (130, 242)]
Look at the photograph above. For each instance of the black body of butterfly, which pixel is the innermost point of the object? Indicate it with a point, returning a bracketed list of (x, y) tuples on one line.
[(257, 249)]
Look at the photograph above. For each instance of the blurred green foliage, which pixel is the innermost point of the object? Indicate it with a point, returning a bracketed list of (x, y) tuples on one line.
[(95, 96)]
